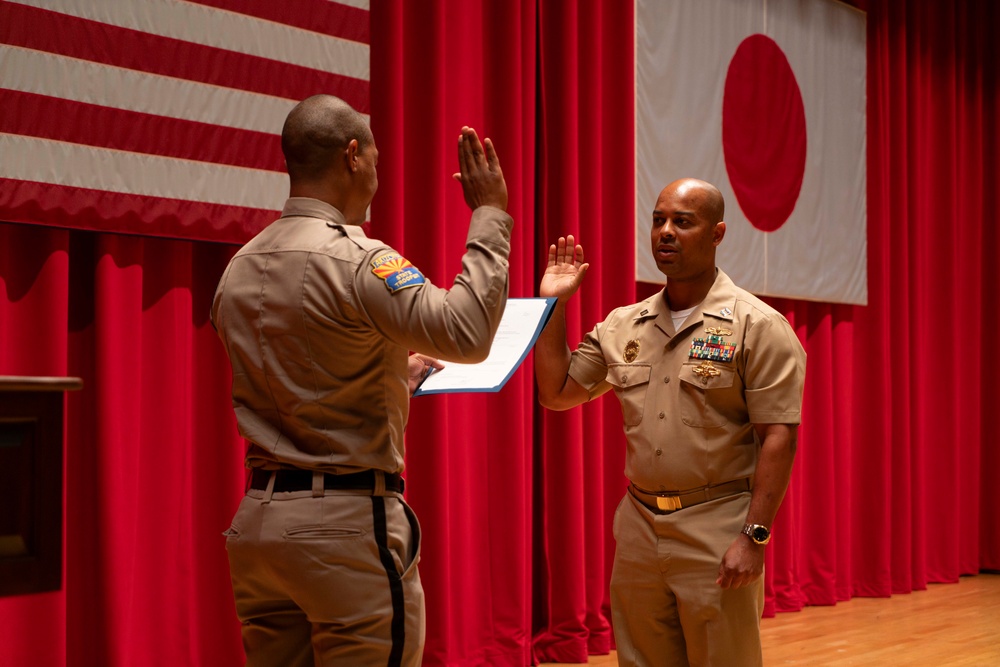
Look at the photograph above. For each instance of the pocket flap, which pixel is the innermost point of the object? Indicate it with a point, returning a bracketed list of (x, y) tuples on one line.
[(624, 376)]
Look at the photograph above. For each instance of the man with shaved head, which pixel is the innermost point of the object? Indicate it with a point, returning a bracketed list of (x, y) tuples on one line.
[(319, 322), (710, 381)]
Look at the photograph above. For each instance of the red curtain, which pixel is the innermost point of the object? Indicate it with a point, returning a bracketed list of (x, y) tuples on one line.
[(893, 486), (437, 67), (586, 187), (152, 463)]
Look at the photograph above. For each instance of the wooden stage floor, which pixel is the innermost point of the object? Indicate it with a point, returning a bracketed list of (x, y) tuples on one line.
[(953, 625)]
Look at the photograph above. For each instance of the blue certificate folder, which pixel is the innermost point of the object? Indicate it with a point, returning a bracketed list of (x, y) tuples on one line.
[(522, 321)]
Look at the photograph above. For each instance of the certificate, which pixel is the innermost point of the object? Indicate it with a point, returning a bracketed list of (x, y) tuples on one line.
[(522, 321)]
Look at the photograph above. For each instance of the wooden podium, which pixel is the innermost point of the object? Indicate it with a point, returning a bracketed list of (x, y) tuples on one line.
[(31, 463)]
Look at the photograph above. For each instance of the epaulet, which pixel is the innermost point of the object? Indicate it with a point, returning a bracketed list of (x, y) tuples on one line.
[(386, 264), (358, 237)]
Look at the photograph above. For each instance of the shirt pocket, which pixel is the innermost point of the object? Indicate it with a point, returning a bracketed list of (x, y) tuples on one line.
[(630, 382), (703, 395)]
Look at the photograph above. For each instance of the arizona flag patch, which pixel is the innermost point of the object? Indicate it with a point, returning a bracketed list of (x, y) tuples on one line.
[(397, 272)]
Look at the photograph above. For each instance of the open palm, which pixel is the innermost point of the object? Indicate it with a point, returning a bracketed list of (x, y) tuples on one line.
[(565, 269)]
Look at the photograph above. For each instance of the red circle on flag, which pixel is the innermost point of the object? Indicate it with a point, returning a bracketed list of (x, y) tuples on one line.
[(763, 132)]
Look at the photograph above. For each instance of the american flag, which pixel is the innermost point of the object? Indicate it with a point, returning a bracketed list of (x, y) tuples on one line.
[(163, 117)]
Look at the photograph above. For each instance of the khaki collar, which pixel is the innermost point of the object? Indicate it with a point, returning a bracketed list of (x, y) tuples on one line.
[(719, 303), (313, 208)]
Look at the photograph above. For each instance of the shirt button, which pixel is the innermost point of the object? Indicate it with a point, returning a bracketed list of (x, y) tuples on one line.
[(659, 452), (662, 415), (624, 379), (666, 380)]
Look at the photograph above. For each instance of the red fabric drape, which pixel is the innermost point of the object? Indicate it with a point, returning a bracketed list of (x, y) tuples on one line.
[(586, 188), (933, 179), (893, 484), (435, 68), (152, 461)]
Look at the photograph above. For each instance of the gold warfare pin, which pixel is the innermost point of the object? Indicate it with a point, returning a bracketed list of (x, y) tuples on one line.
[(631, 351), (707, 370)]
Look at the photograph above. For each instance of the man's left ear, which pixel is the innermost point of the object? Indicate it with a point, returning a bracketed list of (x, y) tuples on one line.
[(719, 232)]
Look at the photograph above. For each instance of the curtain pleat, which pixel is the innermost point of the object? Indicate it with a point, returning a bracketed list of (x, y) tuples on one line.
[(152, 463), (586, 188), (435, 68)]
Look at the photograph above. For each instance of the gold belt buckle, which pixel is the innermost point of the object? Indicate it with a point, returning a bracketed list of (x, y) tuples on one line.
[(668, 503)]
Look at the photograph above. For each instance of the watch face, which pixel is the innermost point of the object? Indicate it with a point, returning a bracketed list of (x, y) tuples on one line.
[(760, 534)]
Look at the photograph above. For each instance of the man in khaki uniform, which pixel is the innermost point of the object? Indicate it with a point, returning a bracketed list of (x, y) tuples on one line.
[(710, 382), (318, 321)]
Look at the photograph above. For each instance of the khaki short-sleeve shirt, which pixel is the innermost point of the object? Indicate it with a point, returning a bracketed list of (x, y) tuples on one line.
[(689, 397), (318, 321)]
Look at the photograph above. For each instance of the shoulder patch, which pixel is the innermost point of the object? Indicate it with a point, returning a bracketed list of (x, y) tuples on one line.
[(396, 271)]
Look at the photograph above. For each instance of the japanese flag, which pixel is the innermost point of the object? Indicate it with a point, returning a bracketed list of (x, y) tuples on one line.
[(766, 100)]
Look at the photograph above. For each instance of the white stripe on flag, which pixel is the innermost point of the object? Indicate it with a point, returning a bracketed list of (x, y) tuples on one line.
[(222, 29), (359, 4), (43, 73), (292, 59), (75, 165)]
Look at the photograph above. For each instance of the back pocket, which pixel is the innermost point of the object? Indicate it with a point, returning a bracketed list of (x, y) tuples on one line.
[(321, 532)]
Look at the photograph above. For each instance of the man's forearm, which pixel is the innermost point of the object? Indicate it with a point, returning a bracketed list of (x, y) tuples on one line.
[(552, 358), (774, 468)]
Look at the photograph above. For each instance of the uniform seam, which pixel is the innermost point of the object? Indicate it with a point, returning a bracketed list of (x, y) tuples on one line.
[(261, 348)]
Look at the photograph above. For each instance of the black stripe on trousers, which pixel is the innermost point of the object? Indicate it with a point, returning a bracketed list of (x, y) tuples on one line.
[(395, 582)]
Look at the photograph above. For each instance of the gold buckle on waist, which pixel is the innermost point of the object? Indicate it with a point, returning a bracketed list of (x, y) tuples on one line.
[(668, 503)]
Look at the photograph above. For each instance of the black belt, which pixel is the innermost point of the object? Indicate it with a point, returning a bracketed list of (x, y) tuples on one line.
[(294, 479), (671, 501)]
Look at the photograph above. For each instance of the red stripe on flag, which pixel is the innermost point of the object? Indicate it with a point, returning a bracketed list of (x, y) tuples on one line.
[(325, 17), (49, 31), (98, 210), (92, 125)]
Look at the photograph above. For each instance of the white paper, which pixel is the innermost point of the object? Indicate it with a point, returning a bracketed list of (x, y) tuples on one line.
[(522, 321)]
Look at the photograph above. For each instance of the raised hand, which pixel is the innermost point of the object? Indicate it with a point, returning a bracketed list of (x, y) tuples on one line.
[(479, 172), (565, 269)]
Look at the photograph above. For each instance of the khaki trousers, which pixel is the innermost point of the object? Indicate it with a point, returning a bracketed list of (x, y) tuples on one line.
[(327, 579), (666, 608)]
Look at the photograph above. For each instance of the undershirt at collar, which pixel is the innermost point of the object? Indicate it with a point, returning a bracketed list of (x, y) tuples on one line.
[(678, 316)]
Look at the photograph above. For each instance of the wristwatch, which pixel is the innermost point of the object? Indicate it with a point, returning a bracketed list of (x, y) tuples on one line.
[(758, 533)]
